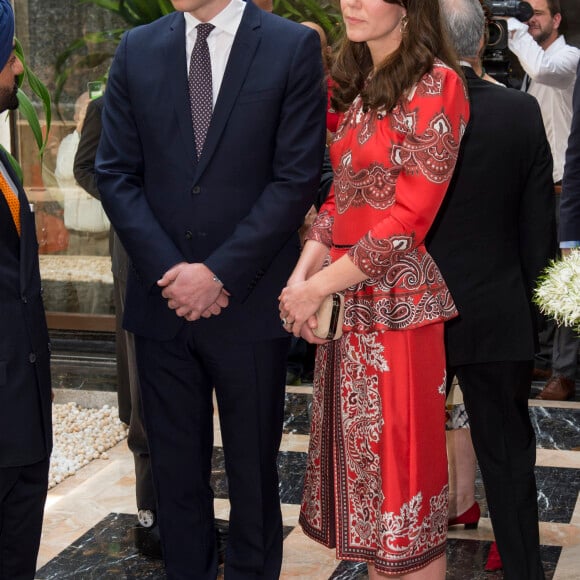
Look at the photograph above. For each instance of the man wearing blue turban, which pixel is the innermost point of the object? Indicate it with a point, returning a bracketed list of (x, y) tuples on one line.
[(25, 393)]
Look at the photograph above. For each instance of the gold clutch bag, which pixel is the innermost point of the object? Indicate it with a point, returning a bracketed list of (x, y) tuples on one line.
[(330, 317)]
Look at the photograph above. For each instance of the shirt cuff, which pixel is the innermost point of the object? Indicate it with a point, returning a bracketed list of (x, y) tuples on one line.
[(572, 244)]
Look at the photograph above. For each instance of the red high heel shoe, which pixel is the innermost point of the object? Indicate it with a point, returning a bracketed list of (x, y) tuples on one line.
[(469, 518), (493, 559)]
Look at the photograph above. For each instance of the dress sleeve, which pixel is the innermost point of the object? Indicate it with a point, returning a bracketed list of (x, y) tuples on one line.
[(436, 117), (321, 229)]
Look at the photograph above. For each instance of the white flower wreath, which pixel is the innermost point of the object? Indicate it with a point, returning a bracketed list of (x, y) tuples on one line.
[(558, 291)]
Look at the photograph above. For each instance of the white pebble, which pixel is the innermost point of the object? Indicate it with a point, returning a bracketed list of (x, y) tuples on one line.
[(81, 435)]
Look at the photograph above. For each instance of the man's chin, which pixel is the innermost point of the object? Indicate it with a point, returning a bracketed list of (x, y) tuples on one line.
[(10, 105)]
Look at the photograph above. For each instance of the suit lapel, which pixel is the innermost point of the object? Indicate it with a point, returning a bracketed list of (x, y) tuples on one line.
[(176, 78), (25, 246), (241, 56)]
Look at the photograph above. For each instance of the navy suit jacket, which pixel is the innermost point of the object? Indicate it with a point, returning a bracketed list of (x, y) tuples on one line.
[(495, 230), (238, 207), (570, 199), (25, 393)]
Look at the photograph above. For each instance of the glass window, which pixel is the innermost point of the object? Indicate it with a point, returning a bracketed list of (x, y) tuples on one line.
[(72, 228)]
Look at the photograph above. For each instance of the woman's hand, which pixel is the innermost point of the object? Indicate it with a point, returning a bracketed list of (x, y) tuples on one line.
[(299, 302)]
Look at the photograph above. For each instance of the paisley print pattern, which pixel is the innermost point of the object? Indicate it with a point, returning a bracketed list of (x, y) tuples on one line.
[(432, 83), (373, 185), (378, 258), (321, 229), (391, 174), (354, 498), (406, 535), (432, 154), (398, 293)]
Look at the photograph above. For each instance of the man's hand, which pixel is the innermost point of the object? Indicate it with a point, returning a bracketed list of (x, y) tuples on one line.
[(192, 291), (221, 302)]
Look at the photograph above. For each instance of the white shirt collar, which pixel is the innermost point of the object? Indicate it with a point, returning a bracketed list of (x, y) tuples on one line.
[(556, 45), (227, 20)]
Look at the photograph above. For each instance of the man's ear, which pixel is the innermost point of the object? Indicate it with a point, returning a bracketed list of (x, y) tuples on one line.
[(557, 20)]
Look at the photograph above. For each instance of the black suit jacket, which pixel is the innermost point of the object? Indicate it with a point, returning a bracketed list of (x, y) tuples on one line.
[(238, 207), (25, 393), (495, 230), (570, 199), (84, 172)]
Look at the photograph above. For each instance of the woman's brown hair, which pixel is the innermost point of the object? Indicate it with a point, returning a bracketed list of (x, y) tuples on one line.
[(423, 40)]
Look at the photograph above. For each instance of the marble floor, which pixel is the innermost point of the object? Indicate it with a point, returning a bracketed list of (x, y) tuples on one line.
[(89, 516)]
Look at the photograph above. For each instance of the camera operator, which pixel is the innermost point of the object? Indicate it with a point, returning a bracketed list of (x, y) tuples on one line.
[(550, 66)]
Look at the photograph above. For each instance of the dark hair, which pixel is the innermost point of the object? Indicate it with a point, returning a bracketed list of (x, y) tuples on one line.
[(424, 40), (554, 7)]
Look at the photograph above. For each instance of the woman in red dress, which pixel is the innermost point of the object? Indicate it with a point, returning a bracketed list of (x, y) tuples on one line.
[(376, 480)]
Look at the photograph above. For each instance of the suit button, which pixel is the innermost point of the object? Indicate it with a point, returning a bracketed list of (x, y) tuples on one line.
[(188, 235), (201, 234), (24, 299), (32, 357), (196, 190)]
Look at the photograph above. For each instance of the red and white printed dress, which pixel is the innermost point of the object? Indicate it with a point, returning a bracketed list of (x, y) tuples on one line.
[(376, 479)]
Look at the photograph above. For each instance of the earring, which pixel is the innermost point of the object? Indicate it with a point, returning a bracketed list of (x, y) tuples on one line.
[(404, 22)]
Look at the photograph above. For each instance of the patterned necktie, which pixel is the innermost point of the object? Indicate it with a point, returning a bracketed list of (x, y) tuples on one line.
[(12, 199), (200, 86)]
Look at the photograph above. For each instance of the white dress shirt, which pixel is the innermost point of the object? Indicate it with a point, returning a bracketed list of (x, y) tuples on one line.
[(552, 74), (82, 212), (219, 41)]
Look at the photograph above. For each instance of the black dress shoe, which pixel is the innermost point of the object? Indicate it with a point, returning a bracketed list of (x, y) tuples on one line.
[(147, 541), (146, 535)]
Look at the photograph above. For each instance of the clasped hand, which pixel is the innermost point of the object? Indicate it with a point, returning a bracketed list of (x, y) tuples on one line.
[(192, 292), (298, 306)]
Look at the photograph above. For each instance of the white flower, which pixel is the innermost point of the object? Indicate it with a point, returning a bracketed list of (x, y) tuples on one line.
[(558, 290)]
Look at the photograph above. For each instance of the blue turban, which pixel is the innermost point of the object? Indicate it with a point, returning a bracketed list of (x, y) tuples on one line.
[(6, 32)]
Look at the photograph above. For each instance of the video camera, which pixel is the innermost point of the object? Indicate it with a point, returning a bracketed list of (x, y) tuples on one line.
[(495, 57)]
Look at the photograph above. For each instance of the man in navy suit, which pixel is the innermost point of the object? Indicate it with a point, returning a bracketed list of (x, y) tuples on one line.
[(25, 394), (210, 226)]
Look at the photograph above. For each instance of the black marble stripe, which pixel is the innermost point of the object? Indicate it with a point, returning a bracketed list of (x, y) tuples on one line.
[(556, 428), (107, 552), (291, 467)]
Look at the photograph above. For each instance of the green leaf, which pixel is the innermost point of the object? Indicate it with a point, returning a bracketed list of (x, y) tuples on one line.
[(14, 163), (27, 111), (25, 105), (111, 5), (323, 12), (62, 71), (40, 90)]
